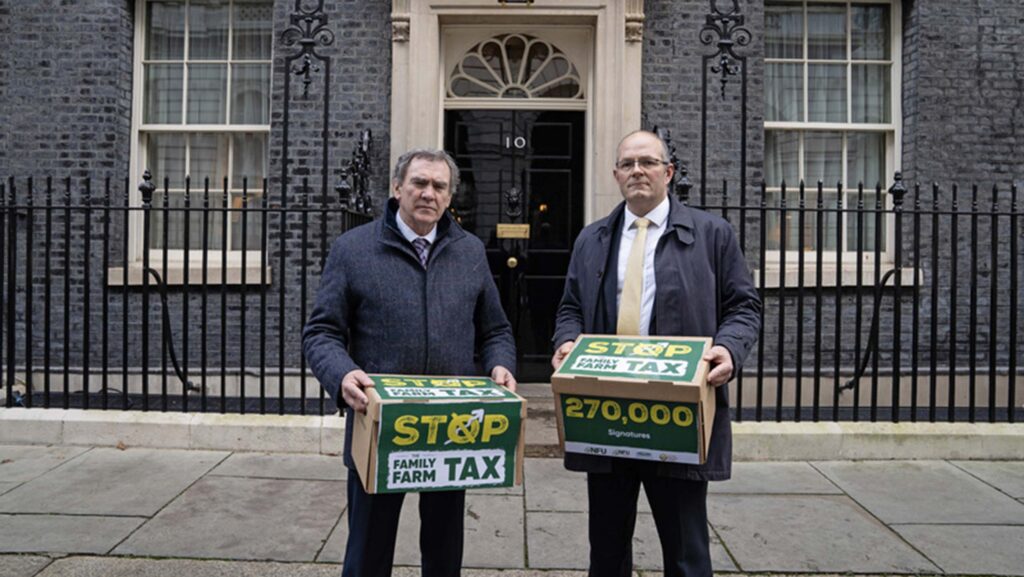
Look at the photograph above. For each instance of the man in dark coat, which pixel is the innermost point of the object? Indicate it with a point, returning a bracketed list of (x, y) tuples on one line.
[(695, 282), (410, 293)]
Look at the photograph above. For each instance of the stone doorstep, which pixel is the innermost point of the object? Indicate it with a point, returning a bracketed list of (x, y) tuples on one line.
[(323, 435)]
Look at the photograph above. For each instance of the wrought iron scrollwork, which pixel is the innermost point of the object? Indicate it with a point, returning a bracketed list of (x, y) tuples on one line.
[(681, 178), (354, 188), (725, 30), (309, 30)]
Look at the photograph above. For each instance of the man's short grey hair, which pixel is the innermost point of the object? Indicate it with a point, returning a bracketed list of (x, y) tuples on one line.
[(433, 155), (664, 146)]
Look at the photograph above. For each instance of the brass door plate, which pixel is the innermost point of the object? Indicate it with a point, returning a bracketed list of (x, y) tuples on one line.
[(508, 230)]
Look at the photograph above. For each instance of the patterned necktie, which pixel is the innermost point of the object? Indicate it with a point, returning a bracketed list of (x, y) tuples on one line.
[(633, 285), (422, 247)]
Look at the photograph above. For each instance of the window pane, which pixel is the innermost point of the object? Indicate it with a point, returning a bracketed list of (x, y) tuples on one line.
[(207, 159), (163, 94), (165, 31), (784, 30), (869, 38), (781, 157), (865, 158), (252, 221), (207, 88), (873, 234), (208, 30), (826, 31), (784, 96), (823, 153), (175, 219), (250, 94), (251, 31), (870, 83), (826, 92), (249, 160), (165, 158)]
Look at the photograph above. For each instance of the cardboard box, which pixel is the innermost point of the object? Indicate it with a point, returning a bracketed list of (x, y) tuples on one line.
[(432, 433), (636, 397)]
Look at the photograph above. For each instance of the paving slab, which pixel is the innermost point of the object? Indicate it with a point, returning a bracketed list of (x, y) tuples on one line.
[(513, 490), (20, 463), (922, 492), (333, 550), (4, 487), (556, 540), (240, 518), (63, 533), (22, 565), (282, 466), (646, 546), (120, 567), (108, 482), (1007, 476), (551, 488), (495, 532), (969, 549), (808, 533), (775, 478)]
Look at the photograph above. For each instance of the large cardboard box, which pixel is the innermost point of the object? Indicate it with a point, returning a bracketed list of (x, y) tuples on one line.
[(636, 397), (430, 433)]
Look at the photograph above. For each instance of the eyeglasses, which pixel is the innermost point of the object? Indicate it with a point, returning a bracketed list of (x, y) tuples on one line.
[(646, 163)]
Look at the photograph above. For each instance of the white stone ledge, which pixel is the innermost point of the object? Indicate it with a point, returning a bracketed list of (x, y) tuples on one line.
[(276, 433), (875, 441)]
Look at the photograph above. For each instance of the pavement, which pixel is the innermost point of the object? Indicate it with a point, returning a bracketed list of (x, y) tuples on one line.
[(155, 495), (91, 511)]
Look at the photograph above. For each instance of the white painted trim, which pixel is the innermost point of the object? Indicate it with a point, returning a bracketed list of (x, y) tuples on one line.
[(613, 83)]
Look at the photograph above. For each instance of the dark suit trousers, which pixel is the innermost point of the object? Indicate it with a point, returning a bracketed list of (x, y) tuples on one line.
[(680, 515), (373, 526)]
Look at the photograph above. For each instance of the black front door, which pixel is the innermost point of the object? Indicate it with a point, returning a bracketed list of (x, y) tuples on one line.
[(522, 194)]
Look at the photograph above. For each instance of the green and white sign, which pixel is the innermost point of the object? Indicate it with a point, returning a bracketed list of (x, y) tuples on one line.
[(632, 429), (439, 446), (634, 358), (396, 387)]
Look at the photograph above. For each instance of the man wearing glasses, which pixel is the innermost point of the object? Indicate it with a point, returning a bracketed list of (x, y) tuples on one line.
[(657, 267)]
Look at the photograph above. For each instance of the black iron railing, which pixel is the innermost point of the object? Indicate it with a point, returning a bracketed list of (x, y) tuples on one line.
[(899, 304), (185, 322)]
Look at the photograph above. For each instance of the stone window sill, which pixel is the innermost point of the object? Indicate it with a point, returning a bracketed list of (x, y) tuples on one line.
[(773, 276), (233, 275)]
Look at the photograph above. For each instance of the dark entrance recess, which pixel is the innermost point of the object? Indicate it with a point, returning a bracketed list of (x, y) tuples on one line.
[(522, 194)]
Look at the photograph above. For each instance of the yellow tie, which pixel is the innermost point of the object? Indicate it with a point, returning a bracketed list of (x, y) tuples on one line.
[(633, 287)]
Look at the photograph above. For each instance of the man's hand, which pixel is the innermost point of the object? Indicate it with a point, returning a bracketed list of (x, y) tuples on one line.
[(720, 360), (503, 377), (352, 386), (563, 351)]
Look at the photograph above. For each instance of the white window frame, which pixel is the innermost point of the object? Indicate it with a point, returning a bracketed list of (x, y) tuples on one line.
[(893, 131), (140, 130)]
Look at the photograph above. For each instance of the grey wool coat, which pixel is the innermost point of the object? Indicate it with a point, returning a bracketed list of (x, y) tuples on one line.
[(378, 309), (703, 288)]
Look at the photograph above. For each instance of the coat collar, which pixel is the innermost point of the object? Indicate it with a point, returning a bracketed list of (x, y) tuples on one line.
[(447, 230), (680, 219)]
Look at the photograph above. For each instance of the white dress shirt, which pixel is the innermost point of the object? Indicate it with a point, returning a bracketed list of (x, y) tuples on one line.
[(658, 216), (410, 234)]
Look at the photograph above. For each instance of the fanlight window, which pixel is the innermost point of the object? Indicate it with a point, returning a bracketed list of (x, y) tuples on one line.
[(515, 66)]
